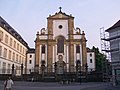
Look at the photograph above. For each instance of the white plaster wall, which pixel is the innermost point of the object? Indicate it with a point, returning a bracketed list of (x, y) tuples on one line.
[(12, 49), (63, 31), (30, 66), (43, 36), (91, 65), (77, 36)]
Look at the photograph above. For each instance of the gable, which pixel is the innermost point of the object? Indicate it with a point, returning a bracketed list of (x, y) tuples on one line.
[(60, 15)]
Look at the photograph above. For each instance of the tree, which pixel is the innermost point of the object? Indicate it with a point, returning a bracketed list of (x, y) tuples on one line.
[(100, 60)]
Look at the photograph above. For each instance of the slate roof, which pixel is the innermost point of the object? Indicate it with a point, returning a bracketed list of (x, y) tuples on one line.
[(31, 50), (114, 26), (11, 31)]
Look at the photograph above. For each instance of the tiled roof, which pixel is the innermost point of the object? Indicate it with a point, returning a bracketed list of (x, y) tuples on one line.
[(114, 26), (11, 31)]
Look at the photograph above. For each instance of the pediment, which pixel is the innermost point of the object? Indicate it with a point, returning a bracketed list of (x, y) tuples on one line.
[(60, 15)]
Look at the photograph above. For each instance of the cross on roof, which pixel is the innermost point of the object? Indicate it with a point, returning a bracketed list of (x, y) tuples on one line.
[(60, 8)]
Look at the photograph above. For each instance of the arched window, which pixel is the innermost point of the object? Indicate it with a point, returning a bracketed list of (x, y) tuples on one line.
[(60, 44), (43, 48), (77, 49)]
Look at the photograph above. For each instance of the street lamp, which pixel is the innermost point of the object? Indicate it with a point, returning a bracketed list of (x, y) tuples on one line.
[(55, 66), (13, 70), (86, 70), (43, 68), (78, 69), (22, 71)]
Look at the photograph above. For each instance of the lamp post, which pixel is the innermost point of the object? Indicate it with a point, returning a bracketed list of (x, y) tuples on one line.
[(55, 66), (22, 71), (43, 69), (13, 70), (86, 70), (78, 69)]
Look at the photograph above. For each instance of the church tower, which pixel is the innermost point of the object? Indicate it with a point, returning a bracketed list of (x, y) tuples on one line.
[(60, 45)]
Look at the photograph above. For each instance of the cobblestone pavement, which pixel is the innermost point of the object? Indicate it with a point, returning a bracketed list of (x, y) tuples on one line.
[(22, 85)]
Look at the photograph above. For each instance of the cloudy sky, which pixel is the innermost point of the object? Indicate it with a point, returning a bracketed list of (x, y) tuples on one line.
[(29, 16)]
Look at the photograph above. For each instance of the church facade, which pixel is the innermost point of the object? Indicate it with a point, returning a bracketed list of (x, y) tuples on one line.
[(60, 45)]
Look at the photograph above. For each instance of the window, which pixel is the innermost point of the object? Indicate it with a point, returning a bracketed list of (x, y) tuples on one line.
[(16, 57), (77, 49), (14, 44), (5, 53), (13, 56), (23, 50), (8, 69), (90, 54), (9, 55), (18, 46), (30, 56), (6, 38), (43, 48), (20, 59), (30, 61), (10, 41), (0, 50), (60, 26), (90, 60), (60, 44), (1, 35), (4, 68)]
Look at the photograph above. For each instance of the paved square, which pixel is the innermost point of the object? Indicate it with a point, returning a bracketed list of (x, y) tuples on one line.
[(22, 85)]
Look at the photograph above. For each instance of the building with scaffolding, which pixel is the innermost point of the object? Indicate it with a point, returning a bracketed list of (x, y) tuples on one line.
[(114, 51)]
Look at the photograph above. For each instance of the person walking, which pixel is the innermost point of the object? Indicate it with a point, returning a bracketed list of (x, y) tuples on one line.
[(8, 84)]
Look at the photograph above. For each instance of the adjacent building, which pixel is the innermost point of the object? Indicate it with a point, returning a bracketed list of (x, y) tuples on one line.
[(13, 49), (91, 60), (114, 39), (30, 60)]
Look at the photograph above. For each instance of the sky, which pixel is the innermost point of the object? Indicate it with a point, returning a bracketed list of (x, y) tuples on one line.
[(29, 16)]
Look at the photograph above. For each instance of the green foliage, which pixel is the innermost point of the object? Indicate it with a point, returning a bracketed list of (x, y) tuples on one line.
[(99, 59)]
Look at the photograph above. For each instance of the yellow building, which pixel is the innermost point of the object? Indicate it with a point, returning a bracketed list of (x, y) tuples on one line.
[(60, 44), (13, 49)]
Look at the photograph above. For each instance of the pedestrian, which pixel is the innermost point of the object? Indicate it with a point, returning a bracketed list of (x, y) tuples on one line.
[(8, 84)]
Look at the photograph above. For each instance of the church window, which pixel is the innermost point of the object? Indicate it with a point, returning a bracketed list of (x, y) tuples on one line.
[(60, 26), (43, 48), (77, 49), (60, 45)]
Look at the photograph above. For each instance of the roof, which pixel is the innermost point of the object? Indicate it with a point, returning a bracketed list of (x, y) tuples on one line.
[(59, 15), (114, 26), (11, 31), (31, 50)]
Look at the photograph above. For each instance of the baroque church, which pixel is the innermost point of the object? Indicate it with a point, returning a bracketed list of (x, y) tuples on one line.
[(60, 45), (59, 48)]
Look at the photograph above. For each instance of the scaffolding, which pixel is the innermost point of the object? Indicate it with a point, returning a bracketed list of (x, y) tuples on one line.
[(105, 44), (105, 49)]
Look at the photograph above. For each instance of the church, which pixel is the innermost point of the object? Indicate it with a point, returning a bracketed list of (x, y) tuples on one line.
[(60, 45), (59, 48)]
